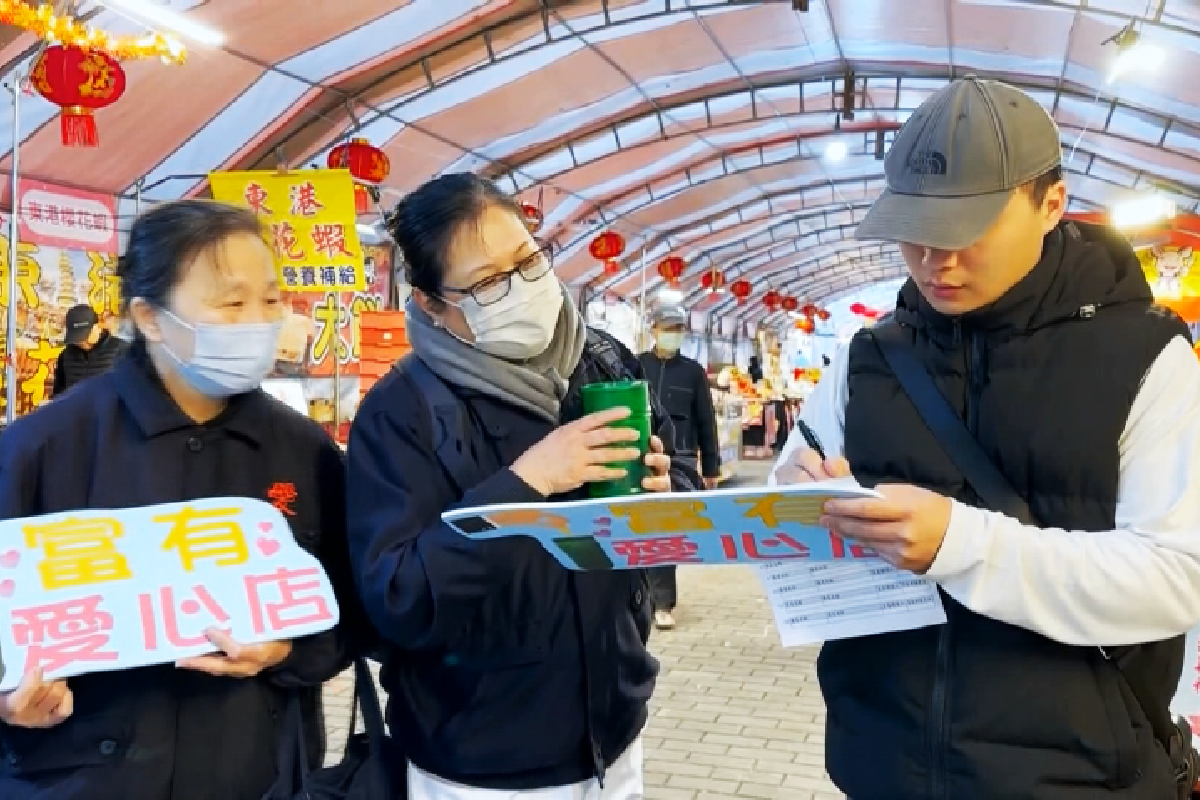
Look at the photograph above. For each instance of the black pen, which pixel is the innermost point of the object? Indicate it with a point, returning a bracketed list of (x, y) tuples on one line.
[(810, 438)]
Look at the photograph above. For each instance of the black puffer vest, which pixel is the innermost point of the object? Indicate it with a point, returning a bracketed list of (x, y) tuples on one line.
[(978, 709)]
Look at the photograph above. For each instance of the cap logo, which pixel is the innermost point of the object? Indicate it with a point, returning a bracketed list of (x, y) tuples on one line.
[(927, 162)]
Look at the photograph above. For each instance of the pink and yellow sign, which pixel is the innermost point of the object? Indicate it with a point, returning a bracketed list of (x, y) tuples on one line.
[(728, 526), (94, 591)]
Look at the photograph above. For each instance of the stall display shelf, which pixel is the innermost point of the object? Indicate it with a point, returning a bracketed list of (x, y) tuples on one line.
[(729, 408)]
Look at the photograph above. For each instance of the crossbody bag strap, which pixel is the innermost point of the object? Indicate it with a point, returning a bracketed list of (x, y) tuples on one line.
[(947, 427)]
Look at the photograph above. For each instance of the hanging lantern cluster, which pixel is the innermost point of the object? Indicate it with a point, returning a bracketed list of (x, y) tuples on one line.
[(80, 82), (671, 269), (814, 312), (367, 164), (772, 300), (740, 289), (608, 247)]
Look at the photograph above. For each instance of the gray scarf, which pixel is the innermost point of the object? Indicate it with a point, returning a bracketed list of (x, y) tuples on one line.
[(537, 385)]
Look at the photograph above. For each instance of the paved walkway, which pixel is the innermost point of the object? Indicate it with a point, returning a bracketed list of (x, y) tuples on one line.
[(735, 716)]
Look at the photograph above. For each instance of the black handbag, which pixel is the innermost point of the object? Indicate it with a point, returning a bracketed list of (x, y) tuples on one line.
[(998, 494), (362, 774)]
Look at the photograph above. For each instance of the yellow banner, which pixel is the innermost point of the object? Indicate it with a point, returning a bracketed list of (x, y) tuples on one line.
[(1171, 271), (310, 222)]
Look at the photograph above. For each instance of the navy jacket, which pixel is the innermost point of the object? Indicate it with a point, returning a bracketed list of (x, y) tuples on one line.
[(506, 670), (161, 733)]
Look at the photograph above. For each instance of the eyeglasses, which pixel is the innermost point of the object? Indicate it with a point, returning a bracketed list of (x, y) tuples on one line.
[(495, 288)]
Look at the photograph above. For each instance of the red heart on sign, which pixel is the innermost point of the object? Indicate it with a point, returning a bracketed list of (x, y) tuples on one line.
[(7, 587), (265, 527), (10, 559)]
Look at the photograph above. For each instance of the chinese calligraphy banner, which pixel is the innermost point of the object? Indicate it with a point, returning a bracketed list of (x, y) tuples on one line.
[(310, 221), (727, 526), (49, 281), (94, 591)]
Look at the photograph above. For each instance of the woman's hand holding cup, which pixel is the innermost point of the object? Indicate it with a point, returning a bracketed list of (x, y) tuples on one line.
[(577, 453)]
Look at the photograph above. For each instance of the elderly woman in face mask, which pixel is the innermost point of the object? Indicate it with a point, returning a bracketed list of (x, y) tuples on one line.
[(509, 675)]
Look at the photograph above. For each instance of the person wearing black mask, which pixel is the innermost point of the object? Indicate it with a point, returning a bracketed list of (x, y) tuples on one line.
[(509, 675), (681, 385), (90, 349), (180, 418)]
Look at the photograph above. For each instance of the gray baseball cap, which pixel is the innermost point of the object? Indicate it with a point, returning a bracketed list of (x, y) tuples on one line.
[(668, 316), (956, 161)]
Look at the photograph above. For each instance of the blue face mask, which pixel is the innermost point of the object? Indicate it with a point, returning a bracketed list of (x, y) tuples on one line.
[(227, 359)]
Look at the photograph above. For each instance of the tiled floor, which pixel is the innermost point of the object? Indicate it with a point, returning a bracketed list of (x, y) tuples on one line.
[(735, 715)]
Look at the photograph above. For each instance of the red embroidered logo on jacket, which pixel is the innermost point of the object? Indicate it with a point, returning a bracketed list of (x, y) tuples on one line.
[(282, 495)]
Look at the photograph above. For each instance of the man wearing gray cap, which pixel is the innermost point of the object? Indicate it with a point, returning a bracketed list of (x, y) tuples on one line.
[(1032, 421), (681, 386)]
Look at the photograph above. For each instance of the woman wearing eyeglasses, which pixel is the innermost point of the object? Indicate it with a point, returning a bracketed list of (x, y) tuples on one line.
[(509, 676)]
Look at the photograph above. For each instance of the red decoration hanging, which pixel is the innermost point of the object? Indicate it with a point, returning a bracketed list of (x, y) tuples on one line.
[(823, 314), (809, 310), (740, 289), (80, 82), (611, 266), (608, 245), (367, 163), (713, 280), (789, 303), (671, 269), (771, 300), (532, 216)]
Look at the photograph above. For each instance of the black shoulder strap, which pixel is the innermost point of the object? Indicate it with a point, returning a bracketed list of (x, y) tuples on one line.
[(993, 488), (448, 420), (607, 355)]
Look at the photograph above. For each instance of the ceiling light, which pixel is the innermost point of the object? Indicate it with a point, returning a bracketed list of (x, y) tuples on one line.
[(161, 17), (1141, 57), (1142, 211), (836, 151)]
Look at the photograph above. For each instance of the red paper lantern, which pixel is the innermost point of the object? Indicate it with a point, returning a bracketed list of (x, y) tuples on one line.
[(608, 245), (740, 289), (809, 310), (857, 309), (532, 215), (671, 269), (367, 163), (823, 314), (789, 304), (713, 280), (771, 300), (80, 82)]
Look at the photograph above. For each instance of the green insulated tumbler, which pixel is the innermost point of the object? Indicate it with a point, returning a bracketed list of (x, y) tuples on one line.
[(634, 395)]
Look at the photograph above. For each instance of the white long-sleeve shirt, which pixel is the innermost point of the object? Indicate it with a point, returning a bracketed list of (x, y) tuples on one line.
[(1137, 583)]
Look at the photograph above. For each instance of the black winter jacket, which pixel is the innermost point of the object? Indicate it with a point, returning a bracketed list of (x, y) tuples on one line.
[(979, 709), (507, 671), (161, 733), (76, 365)]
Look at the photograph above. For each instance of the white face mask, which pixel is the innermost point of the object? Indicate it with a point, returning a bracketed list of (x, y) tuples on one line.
[(522, 325), (227, 359), (670, 340)]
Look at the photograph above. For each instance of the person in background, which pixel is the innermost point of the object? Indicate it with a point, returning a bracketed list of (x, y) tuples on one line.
[(509, 675), (681, 386), (90, 349), (754, 369), (180, 418), (1064, 640)]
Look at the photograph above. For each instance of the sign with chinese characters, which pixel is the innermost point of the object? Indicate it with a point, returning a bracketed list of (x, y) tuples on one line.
[(93, 591), (728, 526), (56, 216), (310, 222), (49, 281)]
